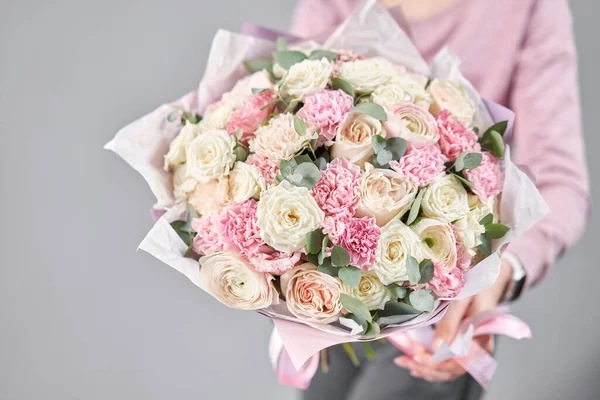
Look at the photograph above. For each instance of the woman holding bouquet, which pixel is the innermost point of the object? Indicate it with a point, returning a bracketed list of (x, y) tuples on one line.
[(519, 53)]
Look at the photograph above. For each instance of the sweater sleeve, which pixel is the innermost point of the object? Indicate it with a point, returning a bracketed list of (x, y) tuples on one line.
[(548, 138), (314, 17)]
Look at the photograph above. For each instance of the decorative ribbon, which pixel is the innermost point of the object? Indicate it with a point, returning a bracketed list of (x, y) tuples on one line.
[(466, 352)]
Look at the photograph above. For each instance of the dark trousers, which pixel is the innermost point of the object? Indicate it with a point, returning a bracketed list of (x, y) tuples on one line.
[(381, 379)]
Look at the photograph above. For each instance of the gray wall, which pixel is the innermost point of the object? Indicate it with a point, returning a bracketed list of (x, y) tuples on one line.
[(83, 316)]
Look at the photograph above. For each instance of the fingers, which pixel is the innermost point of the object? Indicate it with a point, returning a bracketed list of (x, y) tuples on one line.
[(446, 329), (427, 372), (486, 342)]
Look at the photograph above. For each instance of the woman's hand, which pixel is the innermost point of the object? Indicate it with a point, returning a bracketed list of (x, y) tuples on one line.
[(421, 366)]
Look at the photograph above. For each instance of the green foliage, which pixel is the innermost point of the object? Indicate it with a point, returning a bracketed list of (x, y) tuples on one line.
[(258, 65), (356, 307), (340, 256), (426, 270), (414, 272), (339, 83), (319, 54), (496, 231), (422, 300), (350, 275), (415, 208), (371, 109), (287, 58), (467, 160)]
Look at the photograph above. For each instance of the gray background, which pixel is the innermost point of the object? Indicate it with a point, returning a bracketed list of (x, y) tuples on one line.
[(83, 316)]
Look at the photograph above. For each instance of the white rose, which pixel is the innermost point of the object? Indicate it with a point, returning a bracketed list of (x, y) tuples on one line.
[(285, 214), (445, 198), (210, 155), (385, 194), (306, 77), (451, 96), (182, 184), (366, 75), (176, 154), (311, 295), (210, 196), (245, 181), (412, 123), (353, 139), (396, 243), (469, 228), (243, 88), (402, 89), (278, 140), (235, 283), (370, 291), (439, 239), (216, 116)]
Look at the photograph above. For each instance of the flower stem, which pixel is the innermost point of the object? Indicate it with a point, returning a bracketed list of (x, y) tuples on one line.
[(350, 351), (369, 352), (324, 361)]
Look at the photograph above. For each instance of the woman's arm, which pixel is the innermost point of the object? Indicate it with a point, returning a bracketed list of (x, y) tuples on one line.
[(548, 138), (312, 17)]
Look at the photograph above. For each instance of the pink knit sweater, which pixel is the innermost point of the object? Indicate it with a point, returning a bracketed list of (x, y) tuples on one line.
[(519, 53)]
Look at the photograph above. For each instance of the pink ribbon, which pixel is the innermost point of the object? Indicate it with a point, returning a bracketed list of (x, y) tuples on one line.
[(466, 352)]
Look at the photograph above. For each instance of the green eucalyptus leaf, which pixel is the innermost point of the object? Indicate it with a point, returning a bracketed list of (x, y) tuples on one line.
[(299, 126), (328, 269), (472, 160), (302, 158), (350, 275), (319, 54), (287, 58), (378, 142), (313, 259), (488, 219), (463, 181), (496, 231), (459, 164), (414, 208), (497, 144), (258, 65), (314, 241), (191, 215), (356, 307), (384, 157), (397, 291), (422, 300), (340, 256), (371, 109), (286, 167), (414, 274), (426, 270), (398, 308), (239, 134), (339, 83), (296, 179), (309, 174), (371, 332), (281, 43), (321, 163), (486, 245), (397, 146), (240, 153), (173, 116)]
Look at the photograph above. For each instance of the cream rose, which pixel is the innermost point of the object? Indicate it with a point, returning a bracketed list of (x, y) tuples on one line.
[(306, 77), (469, 228), (402, 89), (245, 181), (445, 198), (366, 75), (210, 155), (353, 139), (216, 116), (413, 123), (182, 184), (451, 96), (370, 291), (439, 240), (235, 283), (385, 194), (285, 214), (396, 243), (210, 197), (278, 140), (176, 153), (312, 296), (243, 88)]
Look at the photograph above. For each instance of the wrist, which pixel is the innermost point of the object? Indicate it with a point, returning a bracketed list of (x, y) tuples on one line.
[(504, 281)]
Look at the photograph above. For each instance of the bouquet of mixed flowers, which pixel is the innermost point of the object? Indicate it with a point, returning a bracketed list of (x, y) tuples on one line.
[(346, 190)]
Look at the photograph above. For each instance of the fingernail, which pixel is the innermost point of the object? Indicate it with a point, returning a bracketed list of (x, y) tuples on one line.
[(400, 362)]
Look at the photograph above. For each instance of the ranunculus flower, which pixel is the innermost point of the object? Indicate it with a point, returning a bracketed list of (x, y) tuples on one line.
[(337, 190), (439, 239), (245, 181), (326, 109), (454, 137), (446, 283), (286, 213), (359, 236), (353, 140), (469, 229), (412, 123), (366, 75), (251, 114), (211, 196), (268, 167), (278, 140), (235, 283), (487, 178), (183, 185), (312, 296), (397, 242), (306, 77), (210, 155), (404, 88), (370, 291), (445, 198), (451, 96), (176, 154), (420, 164), (385, 194)]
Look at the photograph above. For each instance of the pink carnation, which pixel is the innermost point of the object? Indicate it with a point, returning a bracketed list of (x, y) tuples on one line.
[(326, 109), (251, 114), (446, 283), (359, 236), (268, 167), (207, 241), (420, 164), (454, 137), (487, 178), (337, 190)]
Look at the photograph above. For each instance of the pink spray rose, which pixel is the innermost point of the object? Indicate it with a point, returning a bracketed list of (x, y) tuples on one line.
[(268, 167), (336, 192), (420, 164), (359, 236), (487, 178), (251, 114), (446, 283), (326, 109), (454, 137)]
